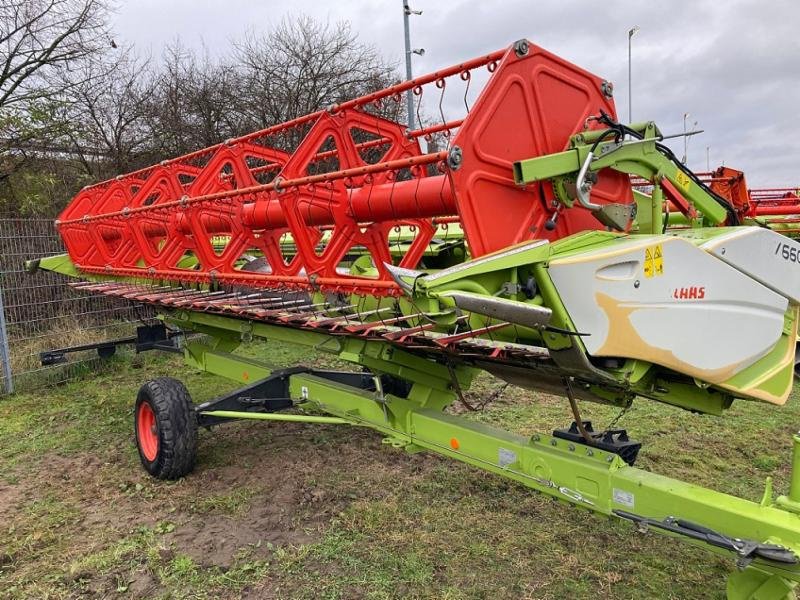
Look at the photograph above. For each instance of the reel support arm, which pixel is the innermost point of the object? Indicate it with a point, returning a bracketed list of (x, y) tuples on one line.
[(590, 154)]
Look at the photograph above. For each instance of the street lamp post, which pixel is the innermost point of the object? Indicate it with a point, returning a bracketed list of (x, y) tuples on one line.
[(686, 115), (631, 33), (419, 51), (685, 139)]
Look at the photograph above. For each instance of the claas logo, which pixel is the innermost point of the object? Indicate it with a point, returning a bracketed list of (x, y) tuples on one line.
[(694, 292)]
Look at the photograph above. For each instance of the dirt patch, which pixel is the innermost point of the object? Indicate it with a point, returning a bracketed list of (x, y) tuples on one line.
[(301, 476), (10, 497), (256, 488), (142, 584), (214, 541), (275, 517)]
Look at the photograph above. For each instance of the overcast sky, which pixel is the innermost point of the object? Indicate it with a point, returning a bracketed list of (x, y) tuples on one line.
[(733, 65)]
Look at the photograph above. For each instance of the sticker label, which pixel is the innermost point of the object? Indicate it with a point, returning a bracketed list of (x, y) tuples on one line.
[(622, 497), (682, 179), (653, 261), (506, 457), (658, 260)]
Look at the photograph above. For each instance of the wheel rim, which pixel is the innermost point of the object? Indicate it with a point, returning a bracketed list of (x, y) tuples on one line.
[(146, 431)]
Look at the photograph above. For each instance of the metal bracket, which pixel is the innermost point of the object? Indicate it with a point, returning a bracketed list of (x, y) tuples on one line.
[(271, 394), (616, 216), (148, 337), (610, 440)]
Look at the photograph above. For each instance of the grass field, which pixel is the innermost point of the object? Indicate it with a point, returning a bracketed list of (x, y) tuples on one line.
[(296, 511)]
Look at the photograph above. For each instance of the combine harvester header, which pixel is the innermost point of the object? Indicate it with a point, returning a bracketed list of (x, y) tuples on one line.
[(349, 176), (516, 244)]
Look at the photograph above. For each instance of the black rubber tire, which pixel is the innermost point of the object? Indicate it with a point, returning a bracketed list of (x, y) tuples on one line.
[(176, 424)]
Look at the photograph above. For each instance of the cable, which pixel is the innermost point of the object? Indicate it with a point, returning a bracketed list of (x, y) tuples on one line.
[(667, 152), (605, 135)]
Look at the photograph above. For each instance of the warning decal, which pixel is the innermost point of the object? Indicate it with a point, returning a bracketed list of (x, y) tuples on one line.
[(653, 261), (682, 180), (658, 260)]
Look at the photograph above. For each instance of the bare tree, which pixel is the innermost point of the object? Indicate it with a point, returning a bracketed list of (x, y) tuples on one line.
[(193, 102), (302, 66), (39, 40), (39, 36), (78, 109), (107, 108)]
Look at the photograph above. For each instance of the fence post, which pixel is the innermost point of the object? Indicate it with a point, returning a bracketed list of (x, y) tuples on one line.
[(5, 354)]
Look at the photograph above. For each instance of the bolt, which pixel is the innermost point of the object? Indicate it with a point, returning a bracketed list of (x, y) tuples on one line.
[(553, 443), (636, 284), (571, 447), (455, 158), (607, 88), (521, 48)]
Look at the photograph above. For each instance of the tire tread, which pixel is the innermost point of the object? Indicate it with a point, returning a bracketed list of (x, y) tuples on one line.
[(177, 425)]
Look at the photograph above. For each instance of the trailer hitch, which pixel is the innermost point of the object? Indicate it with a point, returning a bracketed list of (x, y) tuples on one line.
[(746, 550)]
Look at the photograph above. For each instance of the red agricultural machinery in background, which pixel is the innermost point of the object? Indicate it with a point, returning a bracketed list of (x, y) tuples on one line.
[(776, 208)]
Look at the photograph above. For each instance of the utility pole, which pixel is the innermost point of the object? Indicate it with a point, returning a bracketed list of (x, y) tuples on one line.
[(419, 51), (631, 33)]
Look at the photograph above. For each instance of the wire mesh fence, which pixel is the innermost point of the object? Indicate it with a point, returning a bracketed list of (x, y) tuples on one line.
[(42, 312)]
